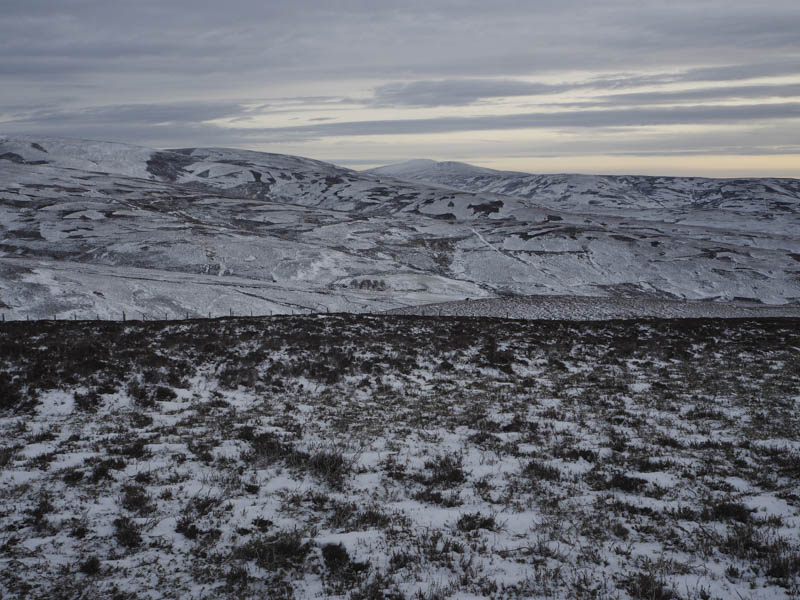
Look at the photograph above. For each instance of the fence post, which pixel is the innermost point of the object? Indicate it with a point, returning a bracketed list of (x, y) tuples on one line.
[(123, 315)]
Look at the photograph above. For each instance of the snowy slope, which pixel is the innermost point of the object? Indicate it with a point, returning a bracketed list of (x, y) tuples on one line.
[(94, 228), (574, 191)]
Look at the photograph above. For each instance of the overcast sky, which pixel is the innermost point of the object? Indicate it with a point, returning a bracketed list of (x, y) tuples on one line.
[(702, 87)]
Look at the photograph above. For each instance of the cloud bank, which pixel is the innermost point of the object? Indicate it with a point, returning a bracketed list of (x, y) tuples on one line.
[(349, 79)]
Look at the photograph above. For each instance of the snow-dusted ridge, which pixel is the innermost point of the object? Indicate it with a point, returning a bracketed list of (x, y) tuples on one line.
[(97, 229), (765, 197)]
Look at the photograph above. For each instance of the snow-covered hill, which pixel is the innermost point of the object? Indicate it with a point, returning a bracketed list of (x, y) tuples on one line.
[(97, 228), (755, 202)]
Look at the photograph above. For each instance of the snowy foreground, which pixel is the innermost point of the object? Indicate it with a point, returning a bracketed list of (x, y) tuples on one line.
[(400, 457)]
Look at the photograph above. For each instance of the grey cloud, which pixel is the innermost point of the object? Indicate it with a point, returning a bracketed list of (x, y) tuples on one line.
[(770, 139), (775, 68), (169, 135), (172, 124), (314, 40), (463, 92), (694, 95), (725, 72), (135, 114), (751, 25), (637, 117), (150, 58), (185, 128), (455, 92)]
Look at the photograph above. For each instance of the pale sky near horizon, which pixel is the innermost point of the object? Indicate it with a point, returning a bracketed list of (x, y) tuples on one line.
[(689, 87)]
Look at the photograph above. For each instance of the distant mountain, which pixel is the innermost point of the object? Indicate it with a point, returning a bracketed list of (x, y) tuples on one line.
[(423, 169), (762, 198), (97, 228)]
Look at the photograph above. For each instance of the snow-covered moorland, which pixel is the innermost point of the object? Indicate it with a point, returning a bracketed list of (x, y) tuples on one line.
[(95, 229), (400, 457)]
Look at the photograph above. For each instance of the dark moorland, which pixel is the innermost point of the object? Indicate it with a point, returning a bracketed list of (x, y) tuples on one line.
[(400, 457)]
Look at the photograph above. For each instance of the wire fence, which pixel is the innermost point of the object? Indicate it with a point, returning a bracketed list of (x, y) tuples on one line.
[(138, 315)]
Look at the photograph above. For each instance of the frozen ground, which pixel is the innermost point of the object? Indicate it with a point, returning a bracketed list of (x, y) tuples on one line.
[(595, 308), (93, 229), (338, 456)]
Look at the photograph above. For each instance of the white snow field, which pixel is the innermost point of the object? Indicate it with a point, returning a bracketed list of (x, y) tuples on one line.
[(391, 457), (92, 229)]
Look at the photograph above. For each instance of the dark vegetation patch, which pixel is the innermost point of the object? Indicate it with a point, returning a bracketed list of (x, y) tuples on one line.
[(477, 520), (127, 533), (91, 566), (487, 208), (341, 566), (12, 157), (102, 355), (539, 471), (192, 423), (168, 165), (282, 550)]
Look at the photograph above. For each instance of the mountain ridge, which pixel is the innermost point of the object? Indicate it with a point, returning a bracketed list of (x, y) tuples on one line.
[(549, 188), (92, 228), (413, 164)]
